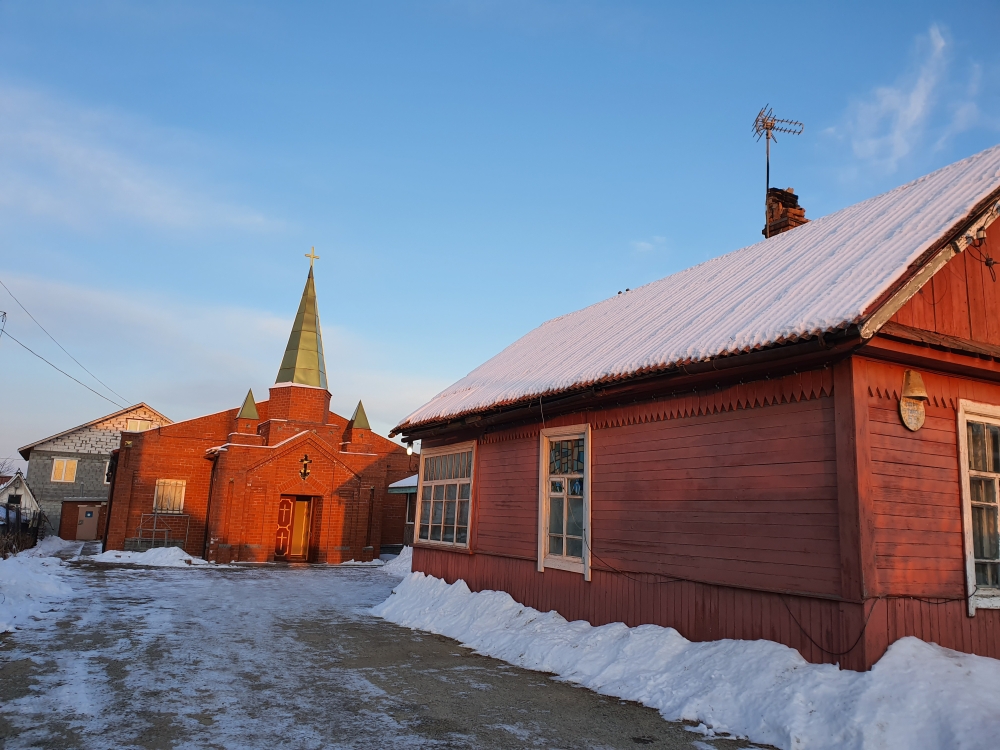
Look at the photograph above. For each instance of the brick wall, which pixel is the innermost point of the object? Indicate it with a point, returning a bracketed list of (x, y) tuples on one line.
[(232, 496)]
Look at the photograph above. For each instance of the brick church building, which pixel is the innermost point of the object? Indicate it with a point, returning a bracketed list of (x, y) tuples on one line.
[(284, 479)]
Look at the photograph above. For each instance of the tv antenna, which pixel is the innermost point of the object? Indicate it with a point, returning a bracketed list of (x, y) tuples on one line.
[(765, 126)]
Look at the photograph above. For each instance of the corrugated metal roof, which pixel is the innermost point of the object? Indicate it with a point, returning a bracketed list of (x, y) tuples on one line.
[(817, 278)]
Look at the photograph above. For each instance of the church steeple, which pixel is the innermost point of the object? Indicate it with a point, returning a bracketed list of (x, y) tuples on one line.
[(303, 361)]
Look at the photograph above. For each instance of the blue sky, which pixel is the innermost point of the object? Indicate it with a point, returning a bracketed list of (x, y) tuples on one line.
[(465, 170)]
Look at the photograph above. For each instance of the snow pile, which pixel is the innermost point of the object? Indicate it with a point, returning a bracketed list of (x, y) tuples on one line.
[(158, 557), (51, 546), (29, 586), (918, 695), (401, 564), (352, 563), (819, 277)]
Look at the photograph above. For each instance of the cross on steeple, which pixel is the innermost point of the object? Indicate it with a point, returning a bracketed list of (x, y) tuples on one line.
[(311, 255)]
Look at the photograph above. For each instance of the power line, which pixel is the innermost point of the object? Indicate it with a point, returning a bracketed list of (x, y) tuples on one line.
[(61, 346), (120, 406)]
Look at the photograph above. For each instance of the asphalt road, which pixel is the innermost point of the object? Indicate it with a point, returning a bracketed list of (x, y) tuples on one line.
[(281, 657)]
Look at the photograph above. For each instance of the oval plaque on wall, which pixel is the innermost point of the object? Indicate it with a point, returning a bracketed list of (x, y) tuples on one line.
[(911, 411)]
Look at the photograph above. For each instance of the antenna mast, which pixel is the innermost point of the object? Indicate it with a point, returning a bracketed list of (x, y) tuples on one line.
[(766, 125)]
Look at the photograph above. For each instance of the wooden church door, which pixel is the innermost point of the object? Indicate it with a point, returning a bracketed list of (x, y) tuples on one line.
[(291, 541)]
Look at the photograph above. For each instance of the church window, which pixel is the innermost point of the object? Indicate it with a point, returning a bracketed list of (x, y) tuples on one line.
[(64, 470), (446, 495), (138, 425), (169, 496)]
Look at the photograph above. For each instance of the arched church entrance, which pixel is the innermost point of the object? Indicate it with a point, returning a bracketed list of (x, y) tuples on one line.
[(291, 540)]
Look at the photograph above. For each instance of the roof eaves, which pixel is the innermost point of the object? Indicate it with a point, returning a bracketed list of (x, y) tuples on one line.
[(733, 360)]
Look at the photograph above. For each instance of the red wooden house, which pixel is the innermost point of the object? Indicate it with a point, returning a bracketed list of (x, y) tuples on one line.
[(798, 441)]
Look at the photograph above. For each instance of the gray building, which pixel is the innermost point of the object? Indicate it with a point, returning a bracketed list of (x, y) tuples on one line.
[(72, 466)]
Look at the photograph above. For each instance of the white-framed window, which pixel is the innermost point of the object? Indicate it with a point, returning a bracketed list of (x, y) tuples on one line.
[(137, 425), (445, 495), (564, 499), (979, 459), (107, 465), (64, 470), (169, 497)]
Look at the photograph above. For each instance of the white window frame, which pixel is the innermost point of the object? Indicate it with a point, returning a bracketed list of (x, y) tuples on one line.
[(156, 496), (976, 412), (546, 436), (66, 462), (107, 465), (443, 451), (138, 427)]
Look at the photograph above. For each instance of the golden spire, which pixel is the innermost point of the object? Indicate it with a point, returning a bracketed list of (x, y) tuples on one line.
[(303, 361)]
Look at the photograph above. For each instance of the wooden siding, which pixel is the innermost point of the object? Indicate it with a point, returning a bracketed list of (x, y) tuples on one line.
[(506, 501), (700, 612), (961, 299), (748, 493), (915, 481), (746, 498), (736, 487)]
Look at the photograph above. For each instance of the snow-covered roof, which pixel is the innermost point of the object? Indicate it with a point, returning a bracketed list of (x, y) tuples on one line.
[(405, 485), (817, 278)]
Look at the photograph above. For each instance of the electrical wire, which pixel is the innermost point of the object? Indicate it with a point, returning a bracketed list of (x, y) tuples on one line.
[(120, 406), (60, 345)]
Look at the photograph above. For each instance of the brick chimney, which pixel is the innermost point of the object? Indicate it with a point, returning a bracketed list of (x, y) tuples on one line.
[(783, 211)]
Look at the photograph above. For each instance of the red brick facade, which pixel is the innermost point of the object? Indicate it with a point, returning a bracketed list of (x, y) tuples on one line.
[(237, 472)]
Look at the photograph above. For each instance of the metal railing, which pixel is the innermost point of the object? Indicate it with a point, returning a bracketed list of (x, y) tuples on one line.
[(160, 530)]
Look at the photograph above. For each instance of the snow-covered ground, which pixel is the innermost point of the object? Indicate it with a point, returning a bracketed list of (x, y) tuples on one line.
[(918, 696), (203, 656), (271, 656), (30, 584)]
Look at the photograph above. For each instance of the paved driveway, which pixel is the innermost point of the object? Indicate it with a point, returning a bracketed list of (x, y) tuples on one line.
[(280, 658)]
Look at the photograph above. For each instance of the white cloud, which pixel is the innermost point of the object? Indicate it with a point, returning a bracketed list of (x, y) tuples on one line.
[(81, 166), (926, 105), (183, 358), (887, 126), (650, 244)]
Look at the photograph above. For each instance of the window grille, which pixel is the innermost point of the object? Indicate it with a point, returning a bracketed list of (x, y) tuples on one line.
[(169, 497)]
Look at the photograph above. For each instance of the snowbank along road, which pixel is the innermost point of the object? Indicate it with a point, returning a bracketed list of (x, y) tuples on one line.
[(279, 657)]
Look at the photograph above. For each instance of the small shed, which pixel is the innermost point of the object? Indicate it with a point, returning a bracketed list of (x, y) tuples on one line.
[(407, 487), (798, 441), (16, 500)]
